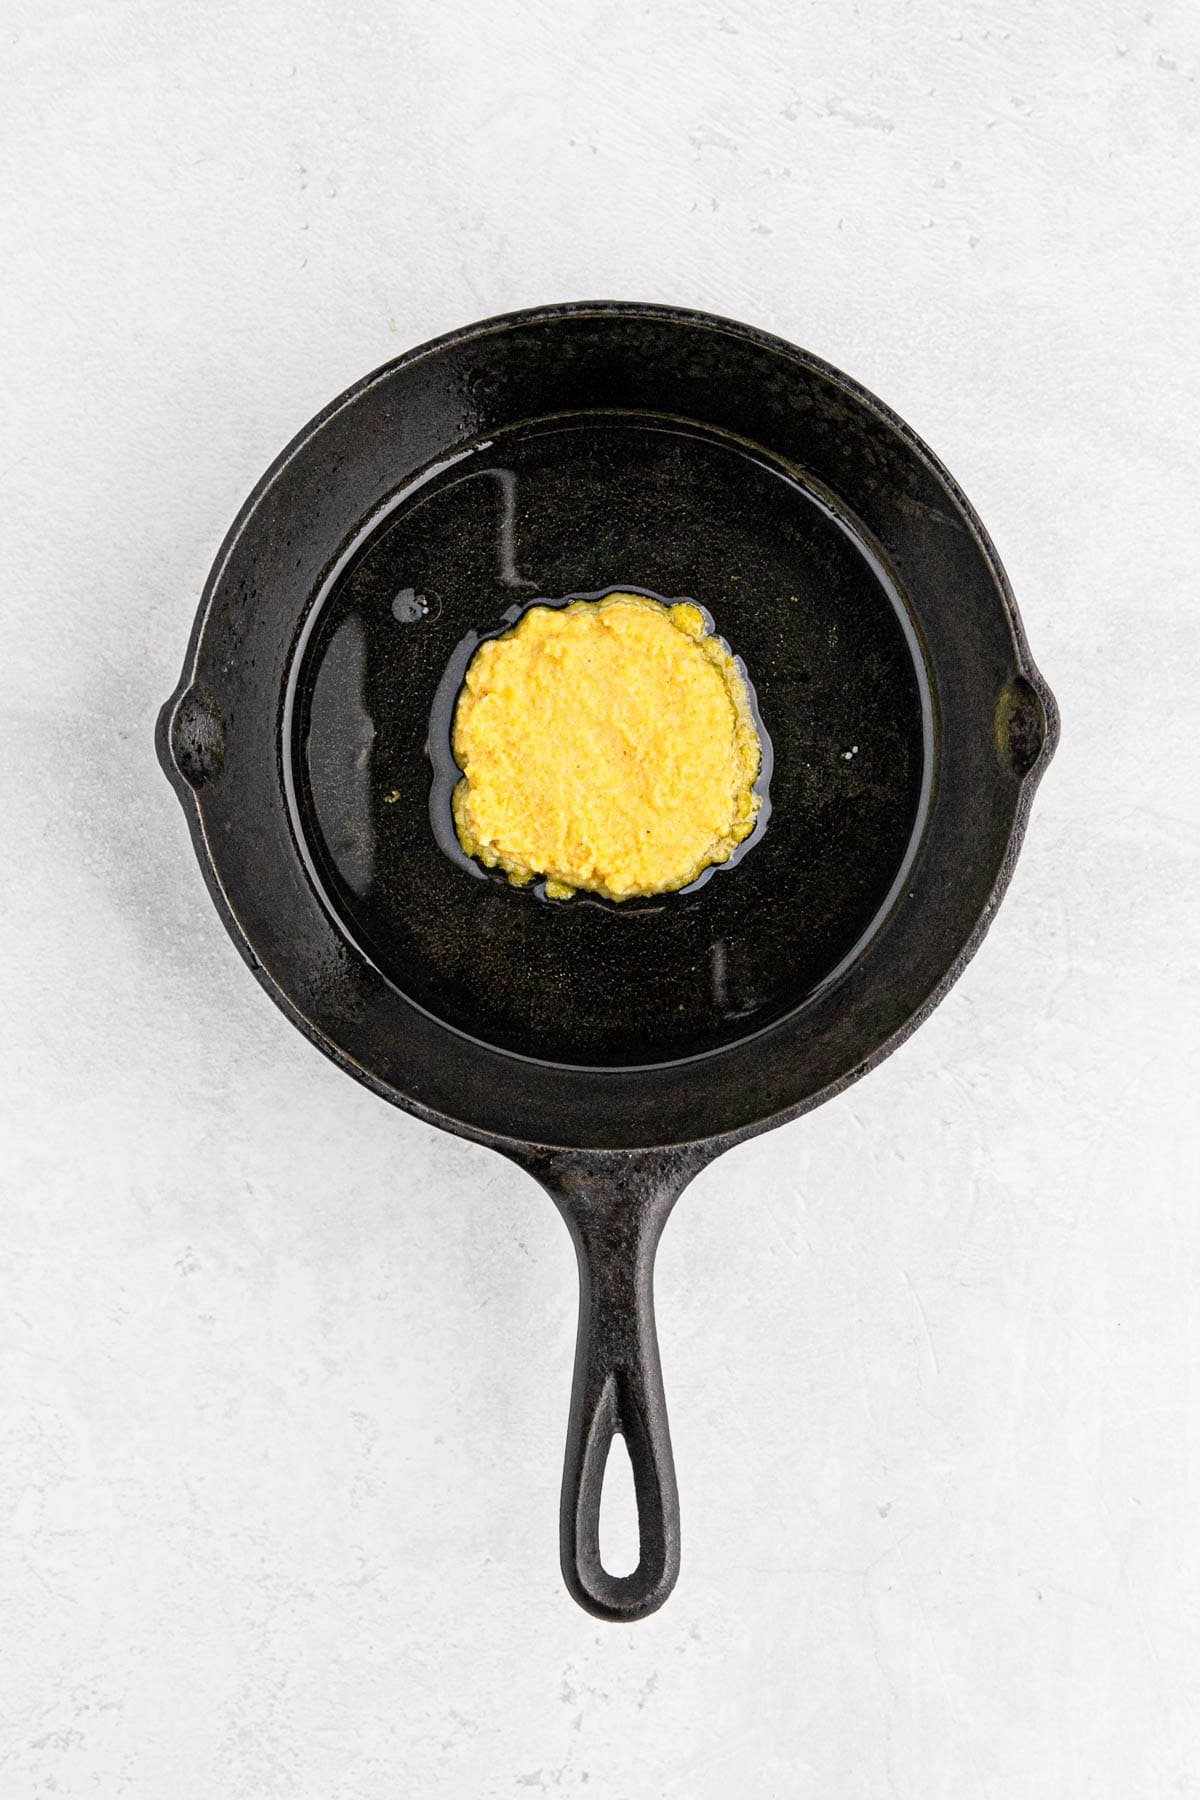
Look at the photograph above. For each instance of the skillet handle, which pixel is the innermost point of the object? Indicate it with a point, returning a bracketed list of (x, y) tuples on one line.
[(618, 1387), (615, 1206)]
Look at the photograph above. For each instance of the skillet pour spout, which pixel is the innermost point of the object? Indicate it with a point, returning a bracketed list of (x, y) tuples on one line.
[(610, 1050)]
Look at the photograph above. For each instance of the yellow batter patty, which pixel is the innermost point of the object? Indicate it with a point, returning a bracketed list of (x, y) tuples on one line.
[(607, 745)]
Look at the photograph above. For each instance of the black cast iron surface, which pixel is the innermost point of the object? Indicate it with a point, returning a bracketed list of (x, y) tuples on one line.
[(610, 1050)]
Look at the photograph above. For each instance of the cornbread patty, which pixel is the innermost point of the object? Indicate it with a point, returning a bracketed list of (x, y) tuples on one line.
[(606, 745)]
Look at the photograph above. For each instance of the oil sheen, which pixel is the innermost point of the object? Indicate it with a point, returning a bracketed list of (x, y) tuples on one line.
[(585, 508)]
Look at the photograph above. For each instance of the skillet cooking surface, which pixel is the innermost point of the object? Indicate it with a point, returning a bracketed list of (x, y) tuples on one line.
[(576, 505)]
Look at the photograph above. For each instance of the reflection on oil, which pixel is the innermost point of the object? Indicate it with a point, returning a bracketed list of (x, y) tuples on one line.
[(507, 573), (510, 575), (340, 737), (719, 959)]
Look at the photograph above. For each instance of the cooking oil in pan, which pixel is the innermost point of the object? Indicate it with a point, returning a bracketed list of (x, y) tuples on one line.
[(579, 507)]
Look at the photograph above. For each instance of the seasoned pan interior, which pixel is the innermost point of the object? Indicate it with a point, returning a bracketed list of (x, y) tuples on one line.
[(582, 504)]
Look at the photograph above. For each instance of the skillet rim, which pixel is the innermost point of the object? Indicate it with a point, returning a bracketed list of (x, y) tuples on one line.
[(520, 1148)]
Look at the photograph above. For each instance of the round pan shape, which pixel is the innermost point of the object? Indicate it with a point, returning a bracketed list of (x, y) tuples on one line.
[(612, 1050)]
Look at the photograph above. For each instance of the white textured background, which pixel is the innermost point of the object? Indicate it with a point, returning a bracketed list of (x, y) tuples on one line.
[(285, 1372)]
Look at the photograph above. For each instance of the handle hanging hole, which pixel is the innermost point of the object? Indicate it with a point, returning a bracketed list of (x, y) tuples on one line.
[(620, 1546)]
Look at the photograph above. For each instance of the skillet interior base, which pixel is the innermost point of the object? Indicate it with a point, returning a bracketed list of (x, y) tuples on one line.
[(578, 505)]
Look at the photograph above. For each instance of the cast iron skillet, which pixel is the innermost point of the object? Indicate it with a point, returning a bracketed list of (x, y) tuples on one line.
[(612, 1051)]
